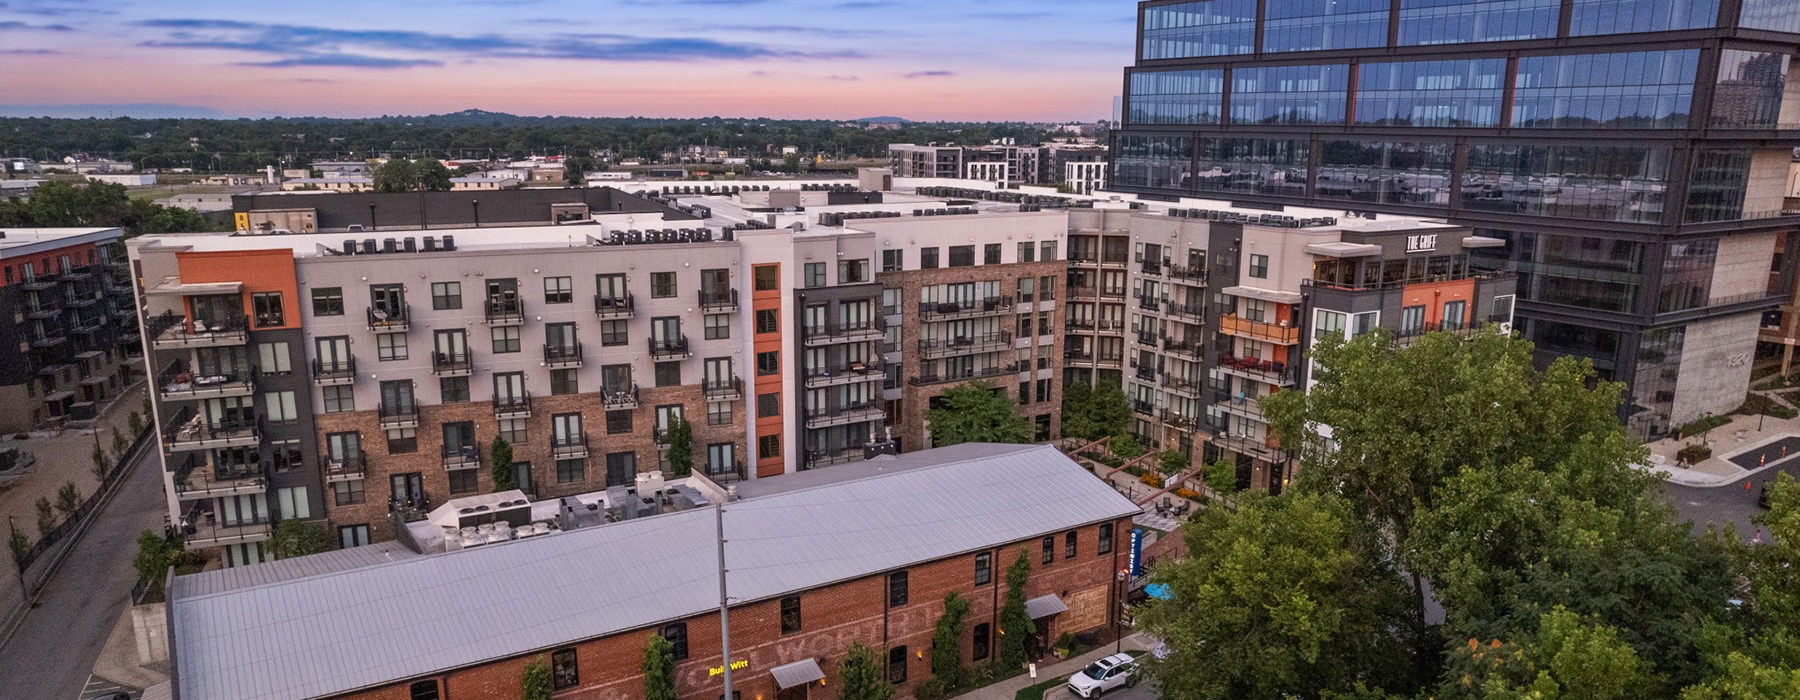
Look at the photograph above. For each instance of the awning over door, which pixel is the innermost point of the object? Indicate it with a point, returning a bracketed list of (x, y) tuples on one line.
[(1044, 606), (797, 674)]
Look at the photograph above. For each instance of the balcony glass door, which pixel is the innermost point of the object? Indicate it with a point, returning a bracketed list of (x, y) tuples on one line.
[(333, 352), (665, 329), (721, 458), (407, 488), (213, 310), (560, 336), (506, 290), (452, 344), (714, 283), (388, 301), (718, 371), (459, 438), (566, 428), (397, 397), (615, 378), (343, 447)]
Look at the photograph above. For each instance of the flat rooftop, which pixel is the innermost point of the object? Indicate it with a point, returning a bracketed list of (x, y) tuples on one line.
[(25, 241)]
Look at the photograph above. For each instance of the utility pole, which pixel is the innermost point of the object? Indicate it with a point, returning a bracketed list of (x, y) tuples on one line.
[(724, 602)]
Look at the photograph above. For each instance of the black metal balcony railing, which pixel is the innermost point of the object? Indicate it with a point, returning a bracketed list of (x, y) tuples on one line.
[(675, 348), (1079, 324), (569, 446), (1196, 312), (206, 435), (347, 467), (394, 320), (824, 458), (1185, 272), (1259, 369), (843, 374), (505, 311), (39, 283), (872, 329), (177, 331), (936, 378), (563, 356), (726, 473), (452, 363), (1146, 373), (461, 457), (614, 398), (1147, 338), (512, 406), (935, 311), (724, 389), (399, 415), (334, 372), (410, 510), (615, 307), (843, 415), (1114, 292), (1178, 420), (719, 301), (1182, 385), (989, 342), (1143, 407)]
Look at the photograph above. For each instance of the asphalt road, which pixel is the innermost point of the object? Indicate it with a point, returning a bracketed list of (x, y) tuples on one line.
[(1731, 503), (55, 648)]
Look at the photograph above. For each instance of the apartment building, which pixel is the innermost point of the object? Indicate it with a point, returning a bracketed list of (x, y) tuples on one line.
[(929, 161), (1631, 155), (812, 562), (65, 295)]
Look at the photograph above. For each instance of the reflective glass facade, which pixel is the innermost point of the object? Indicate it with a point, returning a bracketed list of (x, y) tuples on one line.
[(1687, 275), (1177, 96), (1600, 183), (1774, 15), (1592, 17), (1424, 22), (1154, 161), (1312, 25), (1750, 87), (1290, 94), (1716, 181), (1263, 166), (1464, 93), (1638, 90), (1193, 29), (1579, 271), (1416, 174)]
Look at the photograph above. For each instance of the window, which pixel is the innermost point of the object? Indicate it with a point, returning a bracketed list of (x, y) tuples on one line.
[(280, 407), (446, 295), (612, 333), (294, 503), (893, 260), (1046, 288), (347, 493), (815, 274), (558, 290), (718, 326), (275, 358), (454, 389), (962, 256), (765, 278), (288, 455), (668, 374), (569, 471), (1049, 549), (1106, 539), (768, 405), (390, 346), (767, 321), (1047, 251), (662, 285), (981, 641), (1069, 543), (1027, 252), (513, 430), (768, 363), (984, 568), (790, 614), (853, 271), (464, 481), (896, 589), (676, 633), (563, 381), (425, 690), (618, 422), (563, 670), (339, 399), (402, 441), (897, 665), (928, 258), (328, 301), (1412, 320), (506, 339), (990, 254), (768, 446), (267, 307), (353, 536), (1259, 266), (718, 413)]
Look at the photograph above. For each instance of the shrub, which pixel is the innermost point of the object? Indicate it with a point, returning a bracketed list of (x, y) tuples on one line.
[(1172, 461), (1153, 479), (1694, 454), (1187, 493), (1701, 426)]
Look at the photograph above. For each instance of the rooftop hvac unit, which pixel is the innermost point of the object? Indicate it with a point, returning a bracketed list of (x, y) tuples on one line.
[(449, 242), (649, 483), (410, 245), (368, 246), (431, 245), (349, 246), (389, 245)]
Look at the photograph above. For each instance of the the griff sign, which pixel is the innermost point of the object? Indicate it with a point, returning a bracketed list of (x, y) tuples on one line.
[(1421, 243)]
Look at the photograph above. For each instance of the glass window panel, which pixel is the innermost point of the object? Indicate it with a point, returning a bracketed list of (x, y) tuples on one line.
[(1176, 97), (1289, 94), (1417, 174), (1155, 161), (1602, 183), (1750, 88), (1465, 93), (1263, 166), (1312, 25), (1592, 17), (1640, 90), (1426, 22), (1776, 15), (1207, 28)]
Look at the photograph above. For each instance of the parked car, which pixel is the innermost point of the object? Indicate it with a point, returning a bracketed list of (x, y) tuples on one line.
[(1116, 671)]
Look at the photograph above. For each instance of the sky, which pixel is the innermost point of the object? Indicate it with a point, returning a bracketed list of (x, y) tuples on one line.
[(925, 60)]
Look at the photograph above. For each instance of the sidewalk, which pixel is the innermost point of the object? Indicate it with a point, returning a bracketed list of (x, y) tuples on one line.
[(1006, 689), (1742, 434)]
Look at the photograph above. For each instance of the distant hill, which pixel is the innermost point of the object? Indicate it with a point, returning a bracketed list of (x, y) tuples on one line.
[(885, 120), (137, 110)]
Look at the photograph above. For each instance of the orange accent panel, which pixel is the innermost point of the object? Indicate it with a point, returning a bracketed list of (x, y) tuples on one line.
[(258, 270), (769, 300), (1432, 296)]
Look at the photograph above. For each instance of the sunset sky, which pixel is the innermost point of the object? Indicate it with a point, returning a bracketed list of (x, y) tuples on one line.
[(837, 59)]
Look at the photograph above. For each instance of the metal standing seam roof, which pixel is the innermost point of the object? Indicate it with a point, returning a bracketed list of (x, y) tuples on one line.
[(344, 630)]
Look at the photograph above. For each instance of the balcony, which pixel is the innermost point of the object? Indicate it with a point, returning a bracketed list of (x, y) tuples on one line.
[(83, 300), (196, 434), (619, 399), (349, 467), (723, 301), (210, 533), (1235, 325), (831, 333), (569, 446), (844, 415), (1257, 369), (1113, 260), (1112, 292), (508, 407), (1144, 373), (1245, 406), (390, 320), (78, 274), (183, 385), (1194, 313), (1187, 348), (38, 284), (1079, 324), (1144, 408), (399, 415), (336, 373), (1147, 338), (1180, 422), (92, 323), (461, 457), (409, 510), (1153, 266), (51, 336), (675, 348), (615, 307), (1147, 302), (1083, 291), (726, 389), (505, 312), (446, 364), (948, 311), (991, 342), (848, 374), (203, 482), (44, 311), (562, 356), (826, 458), (726, 473), (176, 332), (1188, 275), (1185, 387), (931, 379)]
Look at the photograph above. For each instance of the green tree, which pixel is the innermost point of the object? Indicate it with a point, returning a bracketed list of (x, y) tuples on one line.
[(68, 498), (536, 681), (135, 423), (659, 669), (1760, 656), (1172, 461), (46, 516), (1015, 623), (1569, 657), (154, 557), (946, 642), (295, 538), (119, 444), (1094, 413), (575, 169), (1076, 423), (1279, 598), (431, 175), (681, 446), (1126, 446), (862, 674), (100, 465), (1221, 477), (19, 544), (977, 412), (505, 479), (396, 175)]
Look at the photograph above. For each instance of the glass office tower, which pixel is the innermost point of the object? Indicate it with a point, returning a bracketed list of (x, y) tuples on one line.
[(1632, 153)]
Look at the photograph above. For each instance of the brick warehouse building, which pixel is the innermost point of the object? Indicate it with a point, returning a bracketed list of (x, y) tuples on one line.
[(863, 552)]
